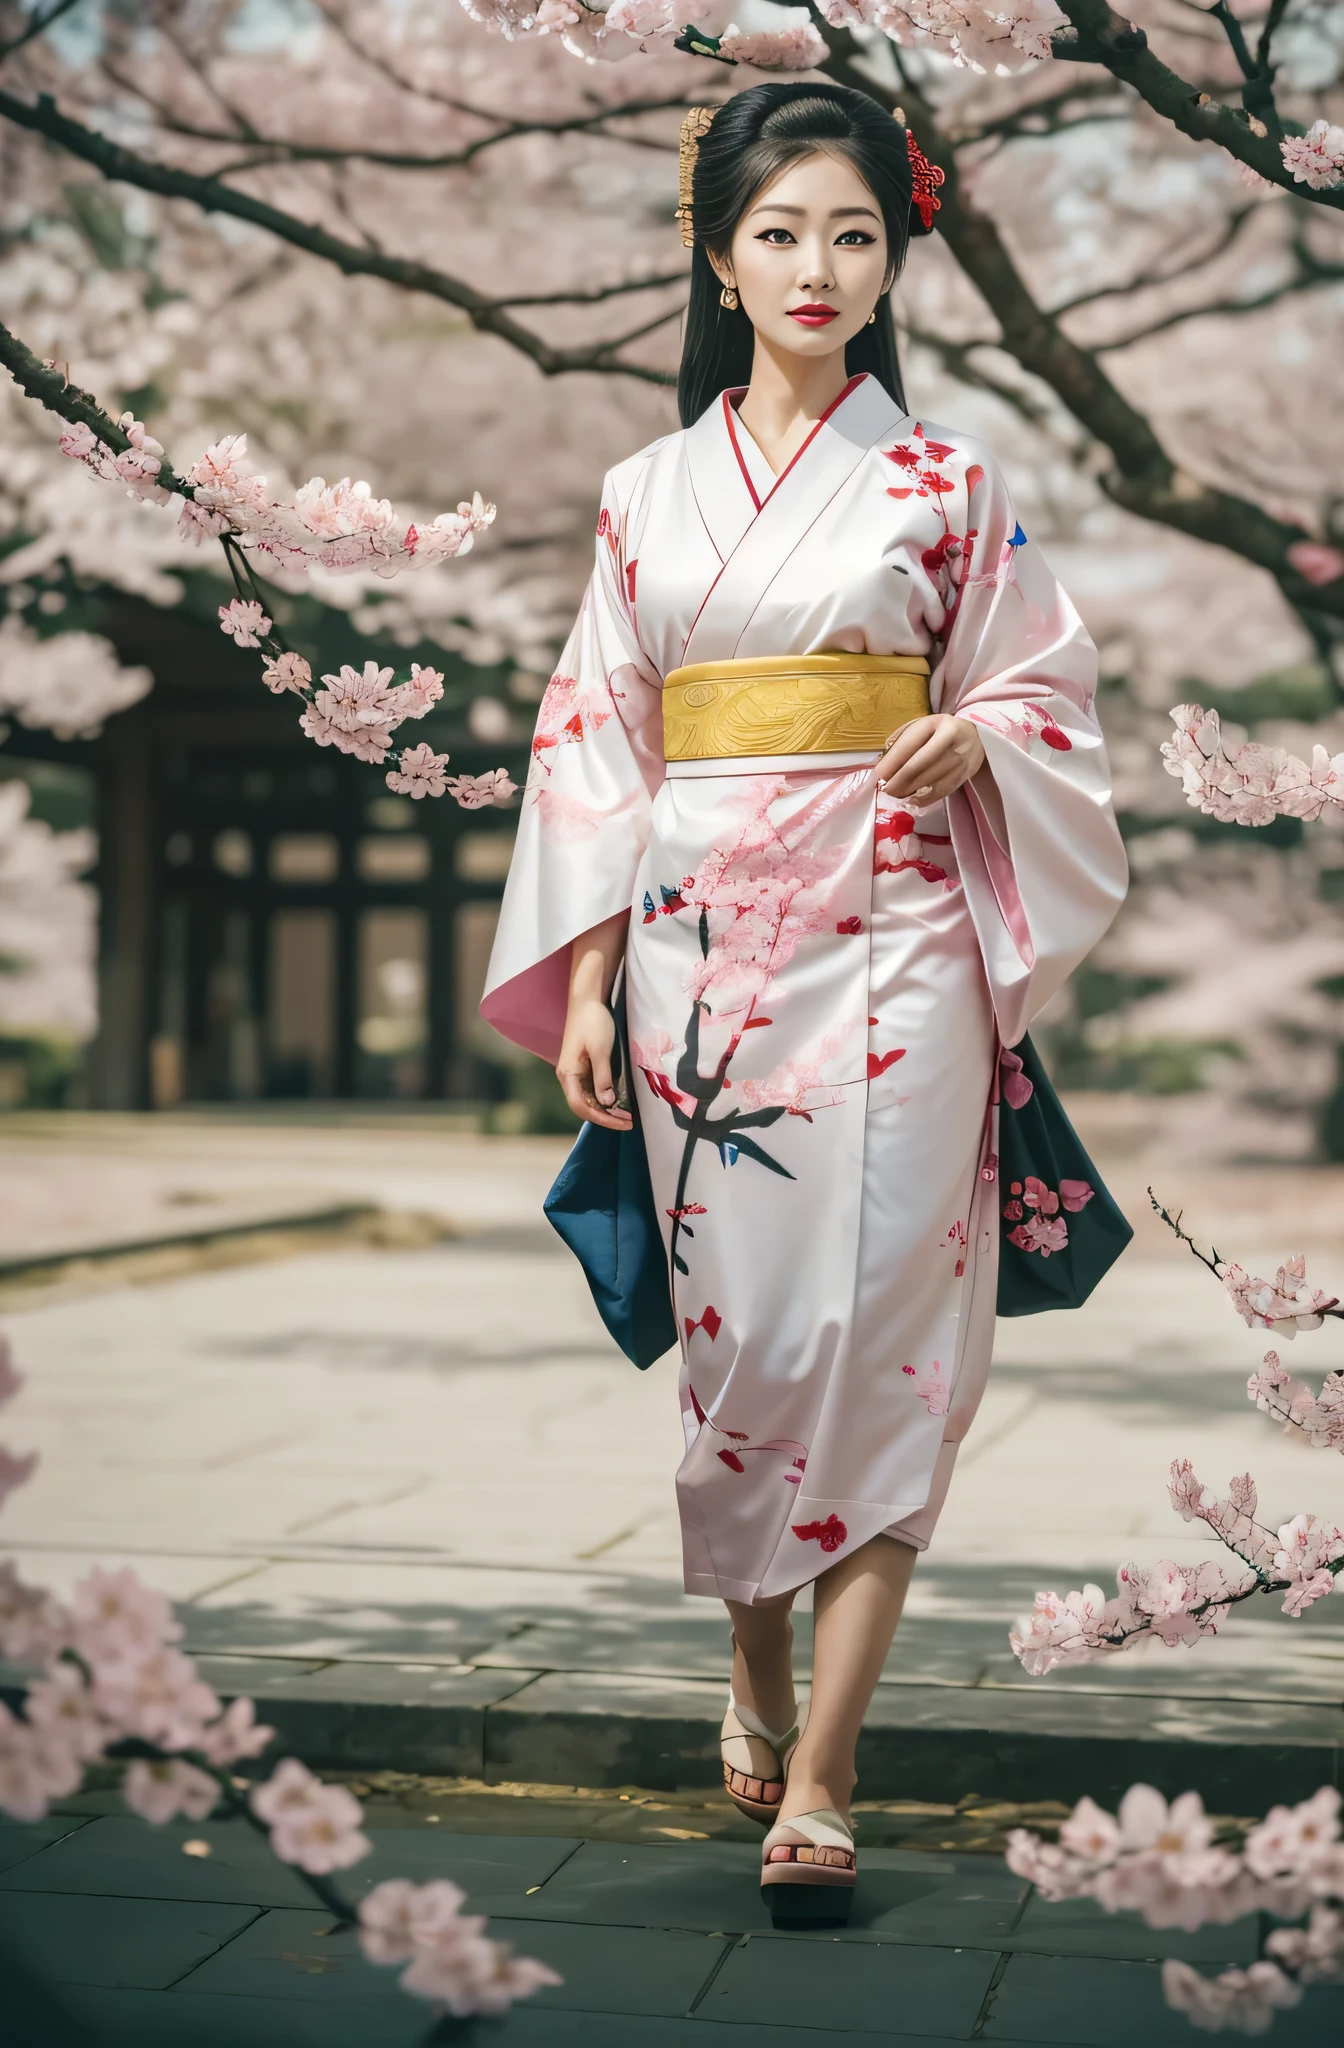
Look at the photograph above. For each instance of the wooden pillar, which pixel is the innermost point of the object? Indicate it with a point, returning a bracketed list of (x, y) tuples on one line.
[(126, 885)]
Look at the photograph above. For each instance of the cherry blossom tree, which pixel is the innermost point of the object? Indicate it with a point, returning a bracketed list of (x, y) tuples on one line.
[(111, 1686), (48, 926), (436, 247)]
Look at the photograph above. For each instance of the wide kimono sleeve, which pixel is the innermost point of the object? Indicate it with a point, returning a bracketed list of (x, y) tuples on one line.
[(597, 762), (1040, 853)]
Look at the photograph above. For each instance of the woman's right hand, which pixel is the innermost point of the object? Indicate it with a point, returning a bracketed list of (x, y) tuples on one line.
[(584, 1066)]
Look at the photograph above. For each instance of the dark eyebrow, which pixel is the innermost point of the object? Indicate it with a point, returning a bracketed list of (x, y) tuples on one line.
[(837, 213)]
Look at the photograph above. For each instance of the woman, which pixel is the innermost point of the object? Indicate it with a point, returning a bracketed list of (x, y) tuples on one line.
[(820, 766)]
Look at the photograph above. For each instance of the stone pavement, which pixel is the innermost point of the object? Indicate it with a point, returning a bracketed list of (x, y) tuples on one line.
[(417, 1502), (663, 1946)]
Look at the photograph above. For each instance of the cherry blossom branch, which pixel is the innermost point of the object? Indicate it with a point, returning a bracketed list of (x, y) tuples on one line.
[(1182, 1604), (1176, 1868), (212, 195), (113, 1687), (1257, 94), (1285, 1304), (279, 149), (1251, 784), (341, 528), (1143, 479), (1104, 37), (37, 26)]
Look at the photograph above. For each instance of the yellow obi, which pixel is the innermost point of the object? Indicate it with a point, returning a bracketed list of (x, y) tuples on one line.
[(791, 704)]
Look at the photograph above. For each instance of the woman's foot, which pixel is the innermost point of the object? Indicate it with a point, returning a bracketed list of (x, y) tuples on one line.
[(809, 1868), (811, 1789), (755, 1762)]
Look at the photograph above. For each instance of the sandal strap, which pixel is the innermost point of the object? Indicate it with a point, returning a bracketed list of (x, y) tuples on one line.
[(823, 1829), (752, 1724)]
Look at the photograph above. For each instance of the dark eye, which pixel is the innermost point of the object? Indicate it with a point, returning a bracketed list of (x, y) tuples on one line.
[(778, 238), (856, 238)]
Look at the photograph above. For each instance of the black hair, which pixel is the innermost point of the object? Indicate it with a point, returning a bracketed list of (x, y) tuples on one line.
[(752, 138)]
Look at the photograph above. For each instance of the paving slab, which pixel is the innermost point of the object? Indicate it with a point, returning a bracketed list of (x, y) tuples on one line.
[(776, 1981), (20, 1840), (1065, 2002), (143, 1943)]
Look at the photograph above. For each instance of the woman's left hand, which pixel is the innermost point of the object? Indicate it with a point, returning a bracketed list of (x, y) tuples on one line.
[(931, 757)]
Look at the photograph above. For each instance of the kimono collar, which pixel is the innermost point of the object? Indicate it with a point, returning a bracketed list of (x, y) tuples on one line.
[(753, 539)]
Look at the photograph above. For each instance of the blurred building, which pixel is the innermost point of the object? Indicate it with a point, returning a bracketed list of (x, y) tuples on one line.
[(274, 924)]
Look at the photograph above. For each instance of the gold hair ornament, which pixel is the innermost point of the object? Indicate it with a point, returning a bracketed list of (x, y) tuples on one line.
[(693, 128)]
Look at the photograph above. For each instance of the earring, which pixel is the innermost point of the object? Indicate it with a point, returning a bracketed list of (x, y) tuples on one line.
[(872, 318), (728, 299)]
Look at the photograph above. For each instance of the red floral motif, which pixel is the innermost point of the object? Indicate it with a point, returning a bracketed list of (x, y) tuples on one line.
[(690, 1209), (630, 569), (878, 1066), (830, 1534), (569, 712), (908, 846), (711, 1322), (606, 530), (849, 927), (957, 1236)]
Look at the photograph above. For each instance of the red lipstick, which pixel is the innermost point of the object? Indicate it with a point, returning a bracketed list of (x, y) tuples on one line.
[(813, 316)]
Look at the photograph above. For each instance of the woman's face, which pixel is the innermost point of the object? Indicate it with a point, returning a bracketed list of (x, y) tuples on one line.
[(809, 258)]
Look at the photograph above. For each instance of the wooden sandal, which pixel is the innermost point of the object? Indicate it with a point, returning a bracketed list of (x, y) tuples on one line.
[(755, 1762), (809, 1868)]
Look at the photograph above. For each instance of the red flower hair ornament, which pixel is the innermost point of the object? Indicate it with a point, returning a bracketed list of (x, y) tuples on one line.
[(925, 178)]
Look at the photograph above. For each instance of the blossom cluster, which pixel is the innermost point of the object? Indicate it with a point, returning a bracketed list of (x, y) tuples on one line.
[(339, 527), (1165, 1863), (1286, 1304), (112, 1679), (67, 683), (1033, 1210), (1320, 1417), (448, 1955), (980, 35), (1248, 784), (1179, 1604), (1316, 158)]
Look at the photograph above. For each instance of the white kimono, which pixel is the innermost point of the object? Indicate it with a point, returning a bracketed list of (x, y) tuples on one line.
[(815, 975)]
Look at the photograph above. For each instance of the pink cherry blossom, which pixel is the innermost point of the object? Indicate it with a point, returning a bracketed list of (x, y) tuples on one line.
[(116, 1615), (414, 699), (1286, 1304), (1307, 1549), (155, 1695), (1251, 785), (1090, 1834), (366, 742), (159, 1790), (477, 792), (790, 49), (421, 772), (1244, 1999), (235, 1735), (398, 1917), (1320, 1417), (356, 698), (243, 621), (197, 524), (1316, 158), (34, 1770), (1294, 1841), (1315, 1953), (312, 1824), (62, 1707), (287, 672)]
